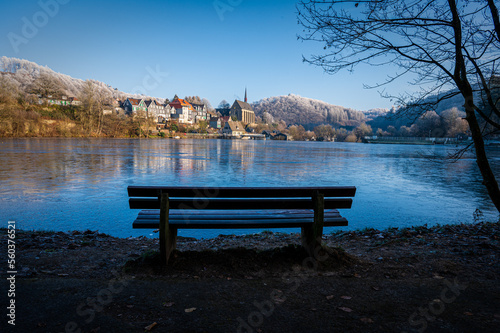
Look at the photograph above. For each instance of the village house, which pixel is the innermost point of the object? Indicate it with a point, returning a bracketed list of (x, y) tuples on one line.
[(281, 136), (224, 112), (275, 135), (117, 106), (165, 114), (107, 110), (63, 101), (214, 120), (154, 109), (75, 101), (234, 128), (200, 112), (269, 134), (184, 111), (134, 106), (211, 114)]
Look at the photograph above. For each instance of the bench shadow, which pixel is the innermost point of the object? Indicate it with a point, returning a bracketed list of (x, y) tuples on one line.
[(239, 262)]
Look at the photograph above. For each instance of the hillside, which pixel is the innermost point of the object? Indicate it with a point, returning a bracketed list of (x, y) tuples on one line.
[(436, 105), (294, 109), (23, 74)]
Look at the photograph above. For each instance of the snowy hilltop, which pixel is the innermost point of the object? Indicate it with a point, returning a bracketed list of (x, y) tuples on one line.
[(295, 109), (23, 73)]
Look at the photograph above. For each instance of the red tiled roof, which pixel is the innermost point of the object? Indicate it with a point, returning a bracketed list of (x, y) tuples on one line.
[(134, 101), (178, 103)]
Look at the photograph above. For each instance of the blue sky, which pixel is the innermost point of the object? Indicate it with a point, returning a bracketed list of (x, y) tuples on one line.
[(213, 49)]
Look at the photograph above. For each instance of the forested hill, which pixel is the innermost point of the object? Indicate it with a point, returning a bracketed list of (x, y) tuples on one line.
[(294, 109)]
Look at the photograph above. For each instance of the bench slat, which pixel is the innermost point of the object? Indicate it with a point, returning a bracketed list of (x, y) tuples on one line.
[(238, 192), (191, 219), (223, 204), (239, 224), (229, 215)]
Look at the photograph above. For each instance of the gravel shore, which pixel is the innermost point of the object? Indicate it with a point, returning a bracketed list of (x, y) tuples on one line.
[(444, 278)]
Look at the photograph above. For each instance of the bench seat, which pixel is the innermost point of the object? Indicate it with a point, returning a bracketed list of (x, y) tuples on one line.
[(237, 219)]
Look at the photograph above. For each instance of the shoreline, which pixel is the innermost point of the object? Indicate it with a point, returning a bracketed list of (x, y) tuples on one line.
[(331, 232), (392, 231)]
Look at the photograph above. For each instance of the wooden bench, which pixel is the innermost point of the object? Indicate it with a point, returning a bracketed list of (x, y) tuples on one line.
[(173, 208)]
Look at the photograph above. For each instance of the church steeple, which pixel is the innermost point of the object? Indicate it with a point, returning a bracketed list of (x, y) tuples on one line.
[(246, 95)]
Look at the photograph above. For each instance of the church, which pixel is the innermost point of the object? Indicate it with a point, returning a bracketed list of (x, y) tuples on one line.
[(243, 111)]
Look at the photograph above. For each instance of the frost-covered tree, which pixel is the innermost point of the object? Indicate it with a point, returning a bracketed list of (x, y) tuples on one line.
[(93, 100), (454, 122), (193, 99), (206, 102), (8, 90), (46, 85), (267, 118), (26, 73), (324, 132), (297, 132), (295, 109), (363, 130)]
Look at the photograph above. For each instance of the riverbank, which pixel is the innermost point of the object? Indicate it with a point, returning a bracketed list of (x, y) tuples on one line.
[(416, 141), (444, 278)]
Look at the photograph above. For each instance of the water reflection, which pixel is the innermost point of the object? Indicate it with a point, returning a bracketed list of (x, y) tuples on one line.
[(64, 184)]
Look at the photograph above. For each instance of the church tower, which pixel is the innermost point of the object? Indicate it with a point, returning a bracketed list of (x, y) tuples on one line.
[(243, 111)]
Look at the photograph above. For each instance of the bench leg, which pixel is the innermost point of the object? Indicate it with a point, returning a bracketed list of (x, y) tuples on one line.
[(168, 235), (170, 243), (312, 235)]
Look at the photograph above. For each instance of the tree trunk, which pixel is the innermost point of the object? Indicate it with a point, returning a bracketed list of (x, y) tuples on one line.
[(460, 77), (489, 179), (100, 121), (494, 15)]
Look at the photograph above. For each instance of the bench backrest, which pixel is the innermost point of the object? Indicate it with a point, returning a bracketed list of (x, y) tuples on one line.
[(148, 197)]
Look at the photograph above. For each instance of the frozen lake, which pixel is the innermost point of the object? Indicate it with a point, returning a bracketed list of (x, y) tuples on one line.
[(78, 184)]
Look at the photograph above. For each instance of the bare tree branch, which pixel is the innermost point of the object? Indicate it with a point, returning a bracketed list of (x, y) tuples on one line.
[(450, 46)]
